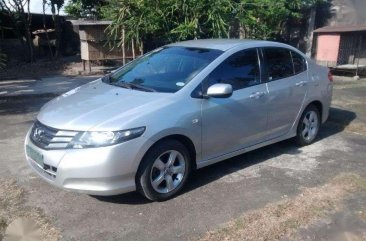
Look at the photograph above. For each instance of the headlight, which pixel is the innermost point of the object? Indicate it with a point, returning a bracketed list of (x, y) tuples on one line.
[(104, 138)]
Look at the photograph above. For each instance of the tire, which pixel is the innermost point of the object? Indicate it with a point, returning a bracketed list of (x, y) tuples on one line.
[(164, 170), (308, 127)]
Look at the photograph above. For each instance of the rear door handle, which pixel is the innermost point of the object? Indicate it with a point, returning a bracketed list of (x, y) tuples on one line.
[(301, 83), (257, 95)]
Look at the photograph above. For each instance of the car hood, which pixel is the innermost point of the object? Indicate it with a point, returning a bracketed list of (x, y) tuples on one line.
[(99, 106)]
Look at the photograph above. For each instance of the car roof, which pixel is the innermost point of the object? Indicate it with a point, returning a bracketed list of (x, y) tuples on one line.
[(220, 44), (226, 44)]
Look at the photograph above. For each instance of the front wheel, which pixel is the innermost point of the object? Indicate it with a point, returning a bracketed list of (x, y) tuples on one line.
[(308, 126), (164, 170)]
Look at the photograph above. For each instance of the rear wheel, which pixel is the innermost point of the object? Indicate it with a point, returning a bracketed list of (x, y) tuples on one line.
[(164, 170), (308, 127)]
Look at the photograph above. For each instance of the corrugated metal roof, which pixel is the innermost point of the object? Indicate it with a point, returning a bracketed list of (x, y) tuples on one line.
[(341, 29), (90, 22)]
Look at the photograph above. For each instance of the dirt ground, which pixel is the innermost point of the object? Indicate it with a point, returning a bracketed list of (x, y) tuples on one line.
[(12, 206), (282, 219), (279, 192)]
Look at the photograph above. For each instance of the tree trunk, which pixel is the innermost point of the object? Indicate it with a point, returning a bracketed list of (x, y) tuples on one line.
[(29, 42), (123, 47), (133, 49), (58, 34), (141, 48), (309, 34), (242, 31), (30, 34), (45, 28), (56, 21)]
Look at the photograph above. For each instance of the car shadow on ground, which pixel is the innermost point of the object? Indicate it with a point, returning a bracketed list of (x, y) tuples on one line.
[(339, 119)]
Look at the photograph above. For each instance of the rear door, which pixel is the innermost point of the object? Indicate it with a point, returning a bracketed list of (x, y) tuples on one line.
[(287, 83)]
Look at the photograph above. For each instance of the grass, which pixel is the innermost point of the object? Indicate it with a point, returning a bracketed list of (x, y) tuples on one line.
[(282, 219), (12, 206)]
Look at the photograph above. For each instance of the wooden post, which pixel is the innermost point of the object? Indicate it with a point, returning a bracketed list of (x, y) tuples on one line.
[(84, 65), (89, 65), (359, 55)]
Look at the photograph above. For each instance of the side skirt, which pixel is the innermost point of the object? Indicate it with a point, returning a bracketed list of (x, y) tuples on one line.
[(204, 163)]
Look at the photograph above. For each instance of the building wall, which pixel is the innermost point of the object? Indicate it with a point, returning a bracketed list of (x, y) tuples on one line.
[(335, 13), (327, 49), (347, 12)]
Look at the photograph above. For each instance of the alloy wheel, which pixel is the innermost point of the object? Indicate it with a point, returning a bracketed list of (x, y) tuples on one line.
[(167, 171), (310, 126)]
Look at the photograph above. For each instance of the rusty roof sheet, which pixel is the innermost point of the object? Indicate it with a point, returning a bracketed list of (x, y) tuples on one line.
[(90, 22), (341, 29)]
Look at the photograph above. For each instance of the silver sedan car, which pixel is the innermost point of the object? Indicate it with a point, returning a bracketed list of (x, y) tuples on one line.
[(181, 107)]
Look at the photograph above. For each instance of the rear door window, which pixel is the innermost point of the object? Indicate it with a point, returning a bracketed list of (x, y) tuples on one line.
[(278, 62)]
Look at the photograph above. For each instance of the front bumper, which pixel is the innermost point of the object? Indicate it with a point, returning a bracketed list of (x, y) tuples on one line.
[(101, 171)]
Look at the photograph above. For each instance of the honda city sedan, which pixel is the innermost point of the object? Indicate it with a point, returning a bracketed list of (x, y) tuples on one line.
[(181, 107)]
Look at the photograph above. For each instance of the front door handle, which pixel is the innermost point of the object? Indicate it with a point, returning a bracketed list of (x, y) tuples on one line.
[(301, 83), (257, 95)]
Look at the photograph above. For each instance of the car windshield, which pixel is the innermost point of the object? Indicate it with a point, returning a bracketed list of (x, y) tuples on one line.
[(164, 70)]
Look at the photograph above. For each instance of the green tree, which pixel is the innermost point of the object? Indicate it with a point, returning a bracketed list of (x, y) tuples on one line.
[(201, 19), (167, 20), (163, 21), (84, 8), (263, 19)]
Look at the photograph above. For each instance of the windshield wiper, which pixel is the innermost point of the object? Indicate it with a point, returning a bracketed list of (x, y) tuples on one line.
[(129, 85), (140, 87)]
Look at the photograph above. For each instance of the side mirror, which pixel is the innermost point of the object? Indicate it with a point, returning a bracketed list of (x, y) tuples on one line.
[(220, 91)]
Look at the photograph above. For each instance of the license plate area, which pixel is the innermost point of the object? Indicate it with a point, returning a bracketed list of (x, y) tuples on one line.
[(35, 156)]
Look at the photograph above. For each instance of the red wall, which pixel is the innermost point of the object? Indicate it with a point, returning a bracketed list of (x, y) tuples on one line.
[(327, 48)]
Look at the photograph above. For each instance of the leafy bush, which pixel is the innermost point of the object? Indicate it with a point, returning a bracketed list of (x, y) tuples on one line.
[(164, 21)]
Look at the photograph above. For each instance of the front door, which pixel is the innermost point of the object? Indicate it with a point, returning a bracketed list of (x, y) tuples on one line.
[(230, 124)]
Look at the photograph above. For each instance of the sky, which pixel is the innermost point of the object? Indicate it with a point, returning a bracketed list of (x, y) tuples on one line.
[(36, 7)]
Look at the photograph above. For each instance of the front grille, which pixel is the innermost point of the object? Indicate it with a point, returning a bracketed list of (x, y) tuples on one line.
[(50, 138)]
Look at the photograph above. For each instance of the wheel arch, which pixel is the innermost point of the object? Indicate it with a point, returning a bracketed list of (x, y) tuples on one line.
[(185, 140), (318, 105)]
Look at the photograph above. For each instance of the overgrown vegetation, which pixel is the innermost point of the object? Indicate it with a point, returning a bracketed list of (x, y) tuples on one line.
[(136, 23), (163, 21), (18, 13), (85, 8)]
